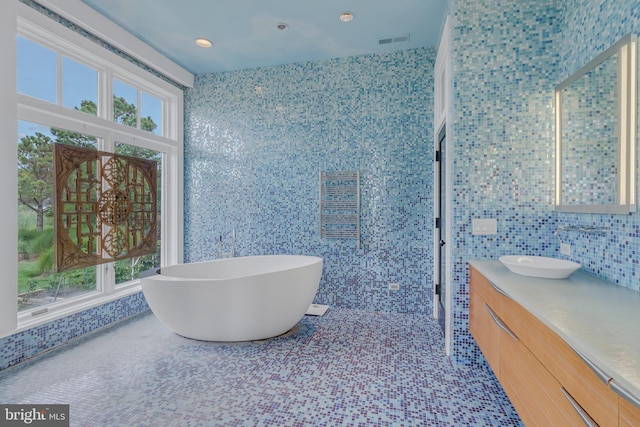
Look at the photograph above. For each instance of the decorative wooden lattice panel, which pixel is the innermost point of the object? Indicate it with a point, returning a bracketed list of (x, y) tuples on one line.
[(105, 207)]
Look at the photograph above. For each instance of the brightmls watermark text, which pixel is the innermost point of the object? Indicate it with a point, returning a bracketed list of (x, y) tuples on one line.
[(34, 415)]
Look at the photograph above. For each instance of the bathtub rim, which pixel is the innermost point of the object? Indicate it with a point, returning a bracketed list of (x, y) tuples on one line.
[(158, 276)]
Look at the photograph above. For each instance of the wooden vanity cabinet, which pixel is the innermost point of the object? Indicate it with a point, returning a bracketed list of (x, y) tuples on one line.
[(546, 380), (629, 413), (533, 391), (483, 328), (564, 363)]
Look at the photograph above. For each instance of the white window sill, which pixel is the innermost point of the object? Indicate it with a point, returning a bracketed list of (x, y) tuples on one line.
[(38, 316)]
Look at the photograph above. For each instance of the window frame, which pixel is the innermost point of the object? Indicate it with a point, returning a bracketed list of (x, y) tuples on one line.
[(45, 31)]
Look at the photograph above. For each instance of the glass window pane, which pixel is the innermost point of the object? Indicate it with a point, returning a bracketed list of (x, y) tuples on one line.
[(37, 72), (125, 104), (151, 113), (132, 268), (38, 283), (79, 86)]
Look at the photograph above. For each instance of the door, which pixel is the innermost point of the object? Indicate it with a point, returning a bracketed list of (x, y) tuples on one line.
[(440, 273)]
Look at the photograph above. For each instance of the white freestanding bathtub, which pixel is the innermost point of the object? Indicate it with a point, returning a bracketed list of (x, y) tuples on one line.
[(234, 299)]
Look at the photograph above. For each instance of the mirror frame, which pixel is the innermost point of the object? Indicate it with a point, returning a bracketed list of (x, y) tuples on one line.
[(627, 122)]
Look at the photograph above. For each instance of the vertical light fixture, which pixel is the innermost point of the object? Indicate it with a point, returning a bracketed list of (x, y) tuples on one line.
[(558, 148), (628, 120), (633, 114), (623, 90)]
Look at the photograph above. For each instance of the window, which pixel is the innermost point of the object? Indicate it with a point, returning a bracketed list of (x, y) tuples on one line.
[(50, 76), (131, 268), (72, 91), (38, 283), (150, 113), (37, 72), (79, 86), (136, 108)]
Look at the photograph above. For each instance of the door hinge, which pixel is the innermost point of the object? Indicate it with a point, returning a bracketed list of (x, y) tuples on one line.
[(438, 156), (438, 289), (437, 222)]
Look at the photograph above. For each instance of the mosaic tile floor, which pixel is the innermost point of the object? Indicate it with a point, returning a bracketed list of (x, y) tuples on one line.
[(347, 368)]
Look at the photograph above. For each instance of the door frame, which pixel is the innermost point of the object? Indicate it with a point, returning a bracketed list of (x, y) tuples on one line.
[(443, 91), (442, 232), (439, 209)]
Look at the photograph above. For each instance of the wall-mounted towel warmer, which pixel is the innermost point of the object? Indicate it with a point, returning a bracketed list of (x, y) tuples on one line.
[(340, 205)]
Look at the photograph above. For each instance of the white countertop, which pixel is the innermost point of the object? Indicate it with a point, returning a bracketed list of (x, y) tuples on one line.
[(599, 319)]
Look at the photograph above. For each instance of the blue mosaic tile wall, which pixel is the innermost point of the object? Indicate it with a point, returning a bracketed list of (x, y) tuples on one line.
[(256, 140), (590, 27), (508, 58), (31, 342), (504, 71)]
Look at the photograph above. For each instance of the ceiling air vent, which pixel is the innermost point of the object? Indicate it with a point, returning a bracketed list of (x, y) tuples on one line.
[(395, 39)]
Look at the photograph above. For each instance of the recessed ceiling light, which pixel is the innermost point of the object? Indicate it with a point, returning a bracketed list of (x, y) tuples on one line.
[(204, 43), (346, 16), (282, 26)]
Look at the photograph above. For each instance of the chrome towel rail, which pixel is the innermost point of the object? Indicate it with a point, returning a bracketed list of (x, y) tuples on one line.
[(340, 205)]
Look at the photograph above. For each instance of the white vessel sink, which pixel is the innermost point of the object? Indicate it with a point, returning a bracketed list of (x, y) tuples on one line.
[(539, 266)]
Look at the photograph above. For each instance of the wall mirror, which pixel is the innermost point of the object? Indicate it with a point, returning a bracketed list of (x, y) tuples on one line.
[(596, 126)]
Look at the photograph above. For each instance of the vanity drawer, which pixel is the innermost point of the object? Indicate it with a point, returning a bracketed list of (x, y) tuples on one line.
[(486, 291), (629, 414), (535, 393), (569, 369), (484, 330)]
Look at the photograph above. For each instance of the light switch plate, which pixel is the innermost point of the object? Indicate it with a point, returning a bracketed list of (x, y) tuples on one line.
[(484, 227)]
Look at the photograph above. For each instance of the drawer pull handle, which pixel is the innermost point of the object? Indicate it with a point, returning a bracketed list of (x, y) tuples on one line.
[(500, 324), (625, 394), (586, 419), (498, 290), (603, 376)]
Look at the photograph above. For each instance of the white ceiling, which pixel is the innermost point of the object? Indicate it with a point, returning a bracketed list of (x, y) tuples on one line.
[(244, 32)]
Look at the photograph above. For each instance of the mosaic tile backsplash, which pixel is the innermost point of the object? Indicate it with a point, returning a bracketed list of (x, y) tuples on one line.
[(256, 141), (508, 58)]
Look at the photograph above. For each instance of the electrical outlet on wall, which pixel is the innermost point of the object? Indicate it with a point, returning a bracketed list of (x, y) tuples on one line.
[(394, 286), (565, 249)]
